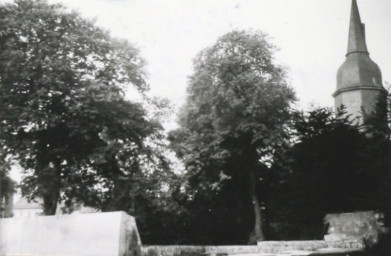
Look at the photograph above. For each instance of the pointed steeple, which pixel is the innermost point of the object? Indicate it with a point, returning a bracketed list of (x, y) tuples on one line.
[(356, 42), (359, 80)]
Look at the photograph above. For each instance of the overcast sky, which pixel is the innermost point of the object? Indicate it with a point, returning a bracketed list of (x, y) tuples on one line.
[(311, 36)]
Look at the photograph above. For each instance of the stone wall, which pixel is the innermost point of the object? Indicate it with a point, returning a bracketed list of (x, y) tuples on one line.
[(311, 245), (185, 250), (349, 231), (365, 226), (95, 234), (262, 247)]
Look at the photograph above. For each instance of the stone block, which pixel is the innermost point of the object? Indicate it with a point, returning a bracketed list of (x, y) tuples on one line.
[(365, 225), (281, 246), (95, 234)]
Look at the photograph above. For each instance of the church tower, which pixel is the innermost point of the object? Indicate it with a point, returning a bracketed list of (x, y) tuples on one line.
[(359, 80)]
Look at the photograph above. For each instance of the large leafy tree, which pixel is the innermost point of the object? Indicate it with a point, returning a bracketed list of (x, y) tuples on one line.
[(63, 114), (235, 117), (334, 166)]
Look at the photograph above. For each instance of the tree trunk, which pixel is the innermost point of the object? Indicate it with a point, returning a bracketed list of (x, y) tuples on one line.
[(257, 208), (49, 183), (50, 203)]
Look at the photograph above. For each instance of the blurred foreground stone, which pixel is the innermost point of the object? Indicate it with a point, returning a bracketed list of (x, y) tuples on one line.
[(94, 234), (364, 226)]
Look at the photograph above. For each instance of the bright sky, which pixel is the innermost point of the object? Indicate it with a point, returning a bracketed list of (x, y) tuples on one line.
[(311, 36)]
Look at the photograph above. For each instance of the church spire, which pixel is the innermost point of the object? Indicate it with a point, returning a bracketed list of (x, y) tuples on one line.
[(356, 42), (359, 80)]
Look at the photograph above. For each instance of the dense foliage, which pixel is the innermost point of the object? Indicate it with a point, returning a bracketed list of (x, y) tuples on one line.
[(234, 118), (335, 166), (63, 114)]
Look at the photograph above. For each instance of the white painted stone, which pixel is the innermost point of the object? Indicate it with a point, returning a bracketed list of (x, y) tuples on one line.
[(95, 234)]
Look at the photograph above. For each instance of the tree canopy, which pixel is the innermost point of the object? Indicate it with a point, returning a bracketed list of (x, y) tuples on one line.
[(235, 117), (334, 166), (63, 114)]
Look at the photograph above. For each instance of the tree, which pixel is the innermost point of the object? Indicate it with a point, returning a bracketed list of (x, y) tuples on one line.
[(333, 167), (235, 117), (7, 185), (63, 113)]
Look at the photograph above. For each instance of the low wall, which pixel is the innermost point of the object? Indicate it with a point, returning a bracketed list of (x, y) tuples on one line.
[(94, 234), (311, 245), (184, 250), (262, 247)]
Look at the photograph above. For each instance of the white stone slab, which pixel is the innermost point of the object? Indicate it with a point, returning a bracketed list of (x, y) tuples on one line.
[(94, 234)]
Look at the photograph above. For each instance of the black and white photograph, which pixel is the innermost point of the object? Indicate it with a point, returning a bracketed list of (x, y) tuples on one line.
[(195, 127)]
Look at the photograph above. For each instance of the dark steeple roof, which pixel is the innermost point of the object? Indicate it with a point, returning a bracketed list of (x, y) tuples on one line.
[(358, 71), (356, 42)]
